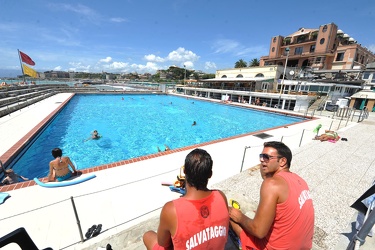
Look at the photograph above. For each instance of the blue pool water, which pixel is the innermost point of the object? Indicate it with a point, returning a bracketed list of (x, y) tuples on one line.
[(135, 125)]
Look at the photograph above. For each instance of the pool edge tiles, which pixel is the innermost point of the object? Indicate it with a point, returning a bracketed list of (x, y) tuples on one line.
[(14, 150)]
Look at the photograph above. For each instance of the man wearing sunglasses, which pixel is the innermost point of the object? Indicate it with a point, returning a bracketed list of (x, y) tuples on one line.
[(285, 215)]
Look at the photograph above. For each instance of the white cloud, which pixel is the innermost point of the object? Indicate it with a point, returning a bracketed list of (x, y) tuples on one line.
[(209, 65), (181, 55), (58, 68), (149, 67), (117, 19), (188, 65), (153, 58), (106, 60), (372, 48), (115, 66), (78, 67), (80, 9), (223, 46)]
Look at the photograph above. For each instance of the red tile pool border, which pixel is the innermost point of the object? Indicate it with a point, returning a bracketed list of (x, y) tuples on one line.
[(8, 155)]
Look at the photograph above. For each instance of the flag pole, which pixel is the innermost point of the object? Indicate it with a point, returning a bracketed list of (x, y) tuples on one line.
[(23, 74)]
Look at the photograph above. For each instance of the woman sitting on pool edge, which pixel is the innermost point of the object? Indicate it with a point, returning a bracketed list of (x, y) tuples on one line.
[(59, 167)]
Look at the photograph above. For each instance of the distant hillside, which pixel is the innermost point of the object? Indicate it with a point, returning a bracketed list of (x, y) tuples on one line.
[(9, 73)]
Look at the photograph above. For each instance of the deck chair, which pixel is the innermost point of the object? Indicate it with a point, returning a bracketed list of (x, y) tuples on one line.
[(21, 238)]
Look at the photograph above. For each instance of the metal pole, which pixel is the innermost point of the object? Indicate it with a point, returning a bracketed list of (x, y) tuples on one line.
[(303, 131), (77, 219), (243, 158), (363, 232), (185, 74), (282, 81), (330, 125)]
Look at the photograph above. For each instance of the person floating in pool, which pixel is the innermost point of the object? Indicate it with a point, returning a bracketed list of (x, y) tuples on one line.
[(194, 123), (59, 167), (12, 177), (166, 148), (94, 136)]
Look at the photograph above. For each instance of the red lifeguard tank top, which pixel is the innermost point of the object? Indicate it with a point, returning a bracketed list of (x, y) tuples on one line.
[(201, 224), (293, 227)]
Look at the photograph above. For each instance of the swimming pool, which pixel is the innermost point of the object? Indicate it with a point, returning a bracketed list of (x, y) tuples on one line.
[(135, 125)]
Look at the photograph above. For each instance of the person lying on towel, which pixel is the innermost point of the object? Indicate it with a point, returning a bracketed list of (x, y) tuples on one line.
[(328, 136)]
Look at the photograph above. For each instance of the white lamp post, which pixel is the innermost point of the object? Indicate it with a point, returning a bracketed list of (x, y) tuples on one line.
[(185, 74), (282, 81)]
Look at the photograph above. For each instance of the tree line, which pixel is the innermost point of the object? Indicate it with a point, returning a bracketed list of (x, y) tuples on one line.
[(242, 64)]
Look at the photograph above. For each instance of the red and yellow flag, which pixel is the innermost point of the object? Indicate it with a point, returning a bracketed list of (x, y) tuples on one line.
[(29, 71), (26, 59)]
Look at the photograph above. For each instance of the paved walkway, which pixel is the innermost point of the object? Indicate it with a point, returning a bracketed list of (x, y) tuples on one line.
[(127, 199)]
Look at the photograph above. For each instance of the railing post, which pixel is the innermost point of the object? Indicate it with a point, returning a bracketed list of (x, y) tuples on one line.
[(77, 219), (330, 125), (362, 233), (243, 158), (300, 141)]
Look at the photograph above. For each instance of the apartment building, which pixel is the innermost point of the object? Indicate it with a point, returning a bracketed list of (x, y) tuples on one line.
[(325, 48)]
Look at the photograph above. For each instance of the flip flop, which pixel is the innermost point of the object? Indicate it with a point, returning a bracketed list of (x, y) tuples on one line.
[(90, 231), (97, 230)]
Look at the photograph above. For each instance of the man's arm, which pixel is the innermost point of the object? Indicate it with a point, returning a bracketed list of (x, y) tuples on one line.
[(167, 225), (266, 211)]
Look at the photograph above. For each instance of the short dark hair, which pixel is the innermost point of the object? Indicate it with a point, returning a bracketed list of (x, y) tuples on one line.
[(282, 150), (56, 152), (198, 168)]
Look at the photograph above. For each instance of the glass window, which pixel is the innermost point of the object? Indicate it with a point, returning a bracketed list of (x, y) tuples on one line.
[(340, 56), (366, 75), (322, 41), (298, 51), (324, 28), (273, 49), (239, 76), (312, 48)]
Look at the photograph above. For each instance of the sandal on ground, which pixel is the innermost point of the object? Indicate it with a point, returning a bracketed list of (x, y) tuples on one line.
[(97, 230), (90, 231)]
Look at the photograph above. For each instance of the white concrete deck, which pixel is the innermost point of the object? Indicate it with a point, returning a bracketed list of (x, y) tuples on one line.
[(123, 196)]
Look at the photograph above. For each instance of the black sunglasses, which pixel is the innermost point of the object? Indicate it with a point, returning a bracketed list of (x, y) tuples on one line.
[(267, 157)]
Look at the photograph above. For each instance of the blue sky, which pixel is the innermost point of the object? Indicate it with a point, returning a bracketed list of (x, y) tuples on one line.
[(147, 35)]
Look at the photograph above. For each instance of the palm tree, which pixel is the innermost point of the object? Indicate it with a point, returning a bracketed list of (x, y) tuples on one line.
[(240, 64), (254, 62)]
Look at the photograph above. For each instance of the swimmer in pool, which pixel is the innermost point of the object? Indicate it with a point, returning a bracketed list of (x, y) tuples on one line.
[(59, 167), (166, 148), (94, 136)]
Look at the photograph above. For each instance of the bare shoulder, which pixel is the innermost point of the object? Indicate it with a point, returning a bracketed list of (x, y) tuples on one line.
[(274, 182), (168, 207), (223, 195)]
